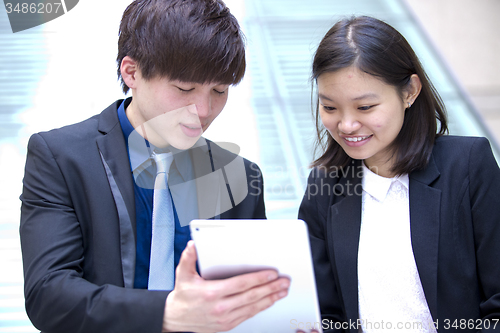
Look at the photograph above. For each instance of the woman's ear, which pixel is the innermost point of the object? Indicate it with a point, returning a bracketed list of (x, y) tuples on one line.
[(413, 89), (129, 71)]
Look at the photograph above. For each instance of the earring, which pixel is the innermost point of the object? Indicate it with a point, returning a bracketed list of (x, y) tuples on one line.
[(409, 105)]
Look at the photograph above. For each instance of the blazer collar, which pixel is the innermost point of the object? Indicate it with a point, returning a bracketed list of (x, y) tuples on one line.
[(213, 186), (343, 227), (425, 203), (108, 119), (114, 155), (112, 146), (428, 175)]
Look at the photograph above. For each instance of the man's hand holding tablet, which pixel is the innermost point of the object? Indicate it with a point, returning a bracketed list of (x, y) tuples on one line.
[(246, 256), (231, 300)]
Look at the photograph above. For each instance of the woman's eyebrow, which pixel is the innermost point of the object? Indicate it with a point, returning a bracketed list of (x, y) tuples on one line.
[(364, 96), (368, 95), (321, 96)]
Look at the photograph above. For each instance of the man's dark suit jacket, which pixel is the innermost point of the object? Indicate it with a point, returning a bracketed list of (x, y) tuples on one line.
[(455, 234), (78, 230)]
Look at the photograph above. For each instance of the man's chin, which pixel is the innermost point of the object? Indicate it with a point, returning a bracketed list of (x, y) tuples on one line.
[(184, 143)]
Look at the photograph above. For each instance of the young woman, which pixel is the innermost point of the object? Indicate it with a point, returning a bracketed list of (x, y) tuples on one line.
[(404, 220)]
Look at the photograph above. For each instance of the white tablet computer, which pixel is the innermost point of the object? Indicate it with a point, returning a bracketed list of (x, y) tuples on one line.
[(227, 248)]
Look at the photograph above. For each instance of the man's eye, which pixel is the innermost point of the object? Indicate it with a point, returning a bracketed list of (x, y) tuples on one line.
[(220, 92), (185, 90)]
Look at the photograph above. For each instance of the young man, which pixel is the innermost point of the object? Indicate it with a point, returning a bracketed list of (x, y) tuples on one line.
[(88, 203)]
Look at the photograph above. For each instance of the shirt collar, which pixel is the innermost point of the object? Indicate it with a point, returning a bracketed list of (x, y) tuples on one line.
[(378, 186)]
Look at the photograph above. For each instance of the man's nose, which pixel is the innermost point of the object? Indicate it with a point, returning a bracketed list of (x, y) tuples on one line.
[(204, 106)]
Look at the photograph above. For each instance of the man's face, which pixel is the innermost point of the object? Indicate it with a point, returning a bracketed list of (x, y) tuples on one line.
[(176, 113)]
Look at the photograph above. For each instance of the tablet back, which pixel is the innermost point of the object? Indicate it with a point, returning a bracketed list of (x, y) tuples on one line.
[(231, 247)]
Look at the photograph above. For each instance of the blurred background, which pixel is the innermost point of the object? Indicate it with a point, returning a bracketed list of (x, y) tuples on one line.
[(64, 71)]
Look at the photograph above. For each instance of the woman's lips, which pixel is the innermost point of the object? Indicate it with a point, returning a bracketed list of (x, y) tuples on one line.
[(356, 141)]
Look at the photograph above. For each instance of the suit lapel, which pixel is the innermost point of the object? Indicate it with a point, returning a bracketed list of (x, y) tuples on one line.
[(343, 228), (207, 182), (115, 159), (425, 203), (214, 172)]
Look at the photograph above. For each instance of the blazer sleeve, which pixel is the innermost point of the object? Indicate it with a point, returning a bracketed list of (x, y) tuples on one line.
[(313, 210), (484, 195), (58, 297)]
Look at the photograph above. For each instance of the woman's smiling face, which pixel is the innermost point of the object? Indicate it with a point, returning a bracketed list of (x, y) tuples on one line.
[(363, 114)]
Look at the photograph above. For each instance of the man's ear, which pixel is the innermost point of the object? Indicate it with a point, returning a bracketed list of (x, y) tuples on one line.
[(129, 71), (414, 87)]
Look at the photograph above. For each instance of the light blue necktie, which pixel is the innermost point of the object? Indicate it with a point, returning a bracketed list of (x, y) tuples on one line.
[(161, 267)]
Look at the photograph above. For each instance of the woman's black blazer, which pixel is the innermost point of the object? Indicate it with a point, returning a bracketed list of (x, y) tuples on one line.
[(455, 234)]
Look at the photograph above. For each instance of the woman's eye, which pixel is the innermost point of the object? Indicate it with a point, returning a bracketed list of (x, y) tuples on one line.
[(220, 92), (366, 107), (328, 108)]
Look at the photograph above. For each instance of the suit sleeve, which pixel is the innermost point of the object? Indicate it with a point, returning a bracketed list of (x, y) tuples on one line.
[(485, 208), (58, 297), (313, 210)]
